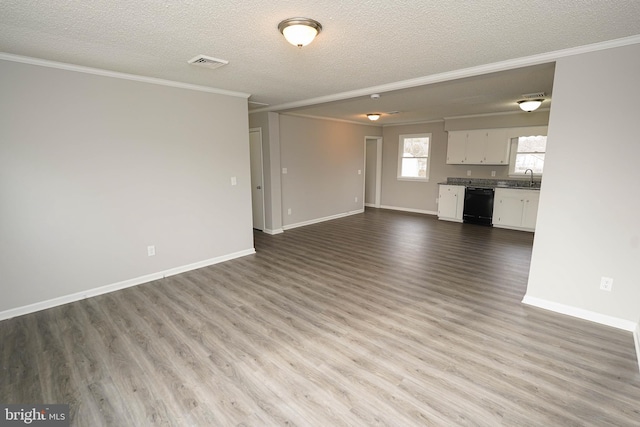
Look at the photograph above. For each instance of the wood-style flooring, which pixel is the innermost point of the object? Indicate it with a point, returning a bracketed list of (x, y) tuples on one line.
[(381, 318)]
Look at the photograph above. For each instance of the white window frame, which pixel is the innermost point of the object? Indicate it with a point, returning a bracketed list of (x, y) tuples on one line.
[(512, 158), (401, 152)]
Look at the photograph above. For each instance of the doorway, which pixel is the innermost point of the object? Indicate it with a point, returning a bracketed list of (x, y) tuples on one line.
[(257, 178), (373, 171)]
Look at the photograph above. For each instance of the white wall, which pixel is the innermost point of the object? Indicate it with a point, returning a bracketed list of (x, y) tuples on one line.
[(93, 169), (588, 223), (322, 158)]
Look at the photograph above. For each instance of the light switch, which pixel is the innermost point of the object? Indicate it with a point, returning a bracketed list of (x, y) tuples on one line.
[(284, 171), (234, 181)]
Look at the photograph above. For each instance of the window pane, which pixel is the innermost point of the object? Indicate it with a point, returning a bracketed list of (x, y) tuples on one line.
[(534, 162), (532, 144), (416, 147), (414, 168)]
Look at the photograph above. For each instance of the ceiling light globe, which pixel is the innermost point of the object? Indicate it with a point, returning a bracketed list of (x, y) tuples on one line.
[(299, 31), (373, 117), (531, 105)]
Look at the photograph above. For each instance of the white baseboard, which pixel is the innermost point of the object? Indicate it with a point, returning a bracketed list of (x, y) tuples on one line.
[(273, 232), (317, 220), (582, 314), (420, 211), (636, 340), (371, 205), (54, 302)]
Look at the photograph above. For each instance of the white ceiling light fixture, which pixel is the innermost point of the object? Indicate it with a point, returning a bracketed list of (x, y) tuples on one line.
[(373, 116), (299, 31), (531, 101)]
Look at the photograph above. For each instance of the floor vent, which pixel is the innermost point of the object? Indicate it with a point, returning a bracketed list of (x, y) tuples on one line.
[(208, 61)]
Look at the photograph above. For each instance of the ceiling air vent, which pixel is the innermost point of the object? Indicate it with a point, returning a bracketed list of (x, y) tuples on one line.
[(536, 95), (207, 61)]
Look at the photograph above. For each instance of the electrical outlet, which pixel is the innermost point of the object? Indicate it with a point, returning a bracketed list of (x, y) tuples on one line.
[(151, 250), (234, 180), (468, 173), (284, 171), (359, 171), (356, 200), (289, 211), (493, 173), (606, 283)]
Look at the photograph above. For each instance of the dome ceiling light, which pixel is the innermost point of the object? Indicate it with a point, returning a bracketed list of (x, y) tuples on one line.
[(299, 31), (531, 101), (373, 116)]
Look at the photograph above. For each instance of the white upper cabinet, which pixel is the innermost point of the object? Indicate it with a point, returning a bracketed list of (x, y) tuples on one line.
[(457, 148), (497, 151), (478, 147)]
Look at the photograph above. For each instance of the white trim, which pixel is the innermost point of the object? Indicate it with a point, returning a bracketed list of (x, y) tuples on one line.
[(370, 205), (273, 232), (420, 211), (330, 119), (264, 208), (401, 140), (54, 302), (580, 313), (510, 64), (500, 113), (118, 75), (412, 122), (636, 340), (317, 220)]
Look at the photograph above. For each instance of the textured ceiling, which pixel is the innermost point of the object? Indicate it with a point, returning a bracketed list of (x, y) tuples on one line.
[(363, 44)]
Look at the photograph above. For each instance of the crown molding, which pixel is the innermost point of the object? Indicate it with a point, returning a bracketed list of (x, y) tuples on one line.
[(510, 64), (501, 113), (331, 119), (117, 75)]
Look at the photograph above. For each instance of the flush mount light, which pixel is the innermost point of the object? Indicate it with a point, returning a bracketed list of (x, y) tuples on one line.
[(373, 116), (530, 105), (299, 31)]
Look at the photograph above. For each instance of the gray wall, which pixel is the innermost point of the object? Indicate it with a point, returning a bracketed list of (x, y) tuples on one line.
[(588, 217), (93, 169), (322, 158)]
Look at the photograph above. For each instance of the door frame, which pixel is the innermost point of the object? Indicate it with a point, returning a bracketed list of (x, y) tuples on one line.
[(378, 189), (259, 131)]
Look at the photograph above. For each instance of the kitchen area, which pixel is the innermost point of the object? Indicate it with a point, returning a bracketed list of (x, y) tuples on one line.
[(505, 202)]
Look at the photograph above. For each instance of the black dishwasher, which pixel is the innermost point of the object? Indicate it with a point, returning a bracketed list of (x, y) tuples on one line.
[(478, 205)]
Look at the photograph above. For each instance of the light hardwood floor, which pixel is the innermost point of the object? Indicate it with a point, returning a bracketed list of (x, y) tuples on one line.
[(381, 318)]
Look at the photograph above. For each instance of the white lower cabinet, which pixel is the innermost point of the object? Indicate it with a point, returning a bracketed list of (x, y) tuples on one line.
[(451, 202), (516, 209)]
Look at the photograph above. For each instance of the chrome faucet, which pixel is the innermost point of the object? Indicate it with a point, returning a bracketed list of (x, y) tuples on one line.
[(530, 170)]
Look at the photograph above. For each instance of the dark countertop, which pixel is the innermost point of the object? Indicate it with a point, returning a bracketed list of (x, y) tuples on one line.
[(516, 184)]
